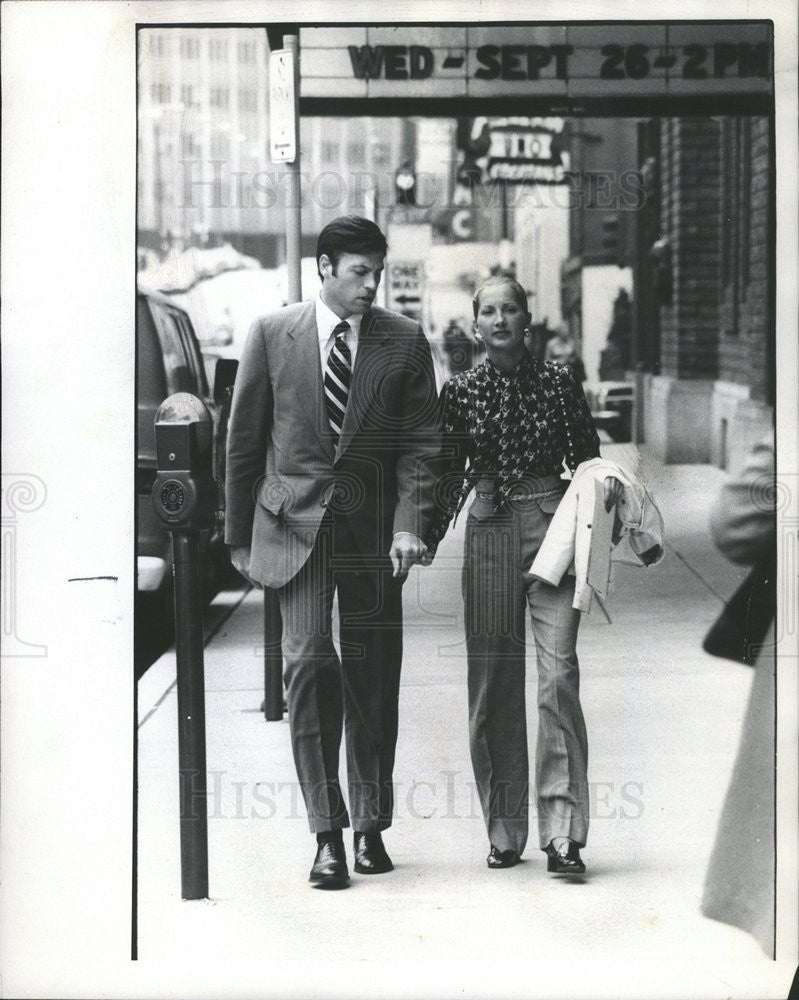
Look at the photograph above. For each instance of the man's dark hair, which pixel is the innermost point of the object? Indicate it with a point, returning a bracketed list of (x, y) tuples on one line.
[(349, 234)]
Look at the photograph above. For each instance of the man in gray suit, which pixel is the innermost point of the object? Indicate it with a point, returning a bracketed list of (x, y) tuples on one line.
[(331, 444)]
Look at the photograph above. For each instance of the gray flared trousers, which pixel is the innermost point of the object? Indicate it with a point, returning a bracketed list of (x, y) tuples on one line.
[(497, 592)]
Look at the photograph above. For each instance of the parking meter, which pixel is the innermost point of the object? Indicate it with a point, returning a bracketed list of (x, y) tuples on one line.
[(184, 497), (184, 492)]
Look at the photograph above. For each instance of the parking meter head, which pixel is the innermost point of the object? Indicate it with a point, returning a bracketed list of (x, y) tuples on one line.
[(184, 492), (186, 408)]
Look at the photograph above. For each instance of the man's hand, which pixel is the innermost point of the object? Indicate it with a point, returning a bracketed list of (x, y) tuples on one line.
[(406, 549), (614, 491), (240, 557)]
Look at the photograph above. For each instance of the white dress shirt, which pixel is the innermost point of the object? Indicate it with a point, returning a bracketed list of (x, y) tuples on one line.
[(326, 321)]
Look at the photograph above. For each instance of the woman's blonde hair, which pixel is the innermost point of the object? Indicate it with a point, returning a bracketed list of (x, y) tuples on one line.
[(497, 281)]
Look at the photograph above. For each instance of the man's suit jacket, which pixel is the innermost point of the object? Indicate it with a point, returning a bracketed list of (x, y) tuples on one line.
[(282, 464)]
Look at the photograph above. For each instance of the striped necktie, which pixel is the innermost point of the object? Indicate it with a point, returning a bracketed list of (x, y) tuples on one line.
[(338, 375)]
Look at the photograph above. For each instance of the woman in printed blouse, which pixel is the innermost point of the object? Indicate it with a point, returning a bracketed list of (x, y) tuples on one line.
[(515, 421)]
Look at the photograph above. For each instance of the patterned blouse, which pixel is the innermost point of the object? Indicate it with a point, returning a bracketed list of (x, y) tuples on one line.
[(509, 427)]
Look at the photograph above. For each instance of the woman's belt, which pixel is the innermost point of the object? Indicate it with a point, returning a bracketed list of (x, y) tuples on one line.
[(527, 488)]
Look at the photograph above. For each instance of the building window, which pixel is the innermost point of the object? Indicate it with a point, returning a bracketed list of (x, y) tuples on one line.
[(159, 45), (248, 99), (356, 154), (219, 97), (188, 145), (190, 48), (218, 50), (160, 93), (220, 145), (329, 151), (306, 145), (246, 52), (187, 95)]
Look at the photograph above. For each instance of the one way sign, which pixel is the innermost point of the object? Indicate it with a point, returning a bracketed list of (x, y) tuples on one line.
[(405, 286)]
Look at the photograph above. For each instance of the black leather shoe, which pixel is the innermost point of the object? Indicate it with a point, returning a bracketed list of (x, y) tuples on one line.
[(565, 860), (330, 866), (370, 854), (501, 859)]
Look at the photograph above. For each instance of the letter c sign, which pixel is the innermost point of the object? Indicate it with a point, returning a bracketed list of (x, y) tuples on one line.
[(462, 224)]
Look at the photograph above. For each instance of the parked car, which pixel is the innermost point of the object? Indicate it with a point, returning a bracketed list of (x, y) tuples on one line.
[(613, 408), (169, 360)]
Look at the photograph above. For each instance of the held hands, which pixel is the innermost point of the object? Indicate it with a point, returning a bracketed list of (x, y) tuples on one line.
[(406, 550), (614, 491)]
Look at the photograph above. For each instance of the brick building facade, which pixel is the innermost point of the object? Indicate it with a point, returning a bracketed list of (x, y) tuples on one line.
[(704, 287)]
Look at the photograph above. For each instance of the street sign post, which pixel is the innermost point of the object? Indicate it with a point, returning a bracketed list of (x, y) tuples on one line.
[(284, 126), (282, 107)]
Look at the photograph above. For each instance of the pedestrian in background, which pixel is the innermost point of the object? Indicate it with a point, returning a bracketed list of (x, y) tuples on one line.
[(739, 885), (562, 349), (329, 491), (515, 421), (458, 346)]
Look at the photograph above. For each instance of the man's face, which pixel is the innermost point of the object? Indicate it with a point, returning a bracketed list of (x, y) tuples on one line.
[(352, 288)]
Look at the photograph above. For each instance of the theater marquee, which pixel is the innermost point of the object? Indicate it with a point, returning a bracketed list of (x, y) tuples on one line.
[(567, 62)]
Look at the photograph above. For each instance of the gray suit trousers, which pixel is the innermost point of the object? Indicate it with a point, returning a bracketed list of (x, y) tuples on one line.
[(357, 693), (497, 592)]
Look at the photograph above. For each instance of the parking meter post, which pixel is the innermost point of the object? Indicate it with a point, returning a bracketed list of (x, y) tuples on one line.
[(191, 716), (273, 658), (184, 496)]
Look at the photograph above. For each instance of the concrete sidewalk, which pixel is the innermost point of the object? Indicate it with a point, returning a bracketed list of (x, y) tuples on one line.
[(663, 721)]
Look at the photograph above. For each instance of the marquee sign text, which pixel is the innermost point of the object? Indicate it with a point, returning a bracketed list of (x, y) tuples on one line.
[(599, 60)]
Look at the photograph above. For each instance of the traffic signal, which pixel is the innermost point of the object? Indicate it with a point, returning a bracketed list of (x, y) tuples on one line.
[(405, 185)]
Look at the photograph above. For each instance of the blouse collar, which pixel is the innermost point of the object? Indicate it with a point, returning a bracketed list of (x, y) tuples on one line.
[(527, 363)]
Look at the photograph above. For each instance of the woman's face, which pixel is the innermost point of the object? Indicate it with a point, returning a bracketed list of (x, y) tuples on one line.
[(501, 322)]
